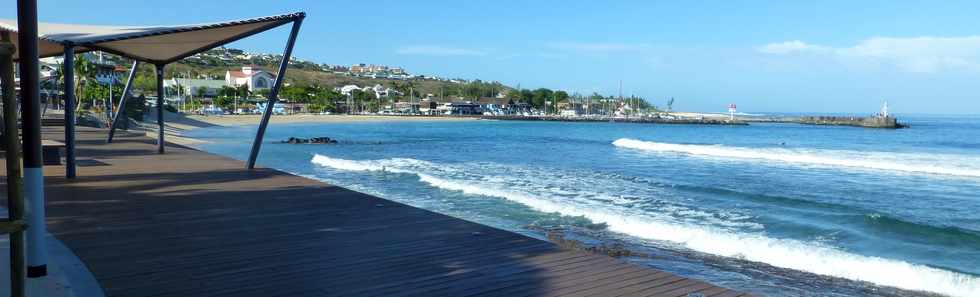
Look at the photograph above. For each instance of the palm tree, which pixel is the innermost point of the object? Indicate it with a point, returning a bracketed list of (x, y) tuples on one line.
[(57, 77), (84, 74), (243, 91)]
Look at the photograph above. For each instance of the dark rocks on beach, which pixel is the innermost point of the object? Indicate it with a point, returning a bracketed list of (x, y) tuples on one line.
[(314, 140), (612, 249)]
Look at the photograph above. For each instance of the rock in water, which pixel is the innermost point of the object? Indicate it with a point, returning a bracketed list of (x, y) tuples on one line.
[(315, 140)]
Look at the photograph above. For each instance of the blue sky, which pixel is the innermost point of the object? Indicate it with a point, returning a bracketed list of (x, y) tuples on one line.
[(766, 56)]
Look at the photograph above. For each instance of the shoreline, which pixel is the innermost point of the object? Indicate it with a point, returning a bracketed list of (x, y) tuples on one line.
[(176, 125)]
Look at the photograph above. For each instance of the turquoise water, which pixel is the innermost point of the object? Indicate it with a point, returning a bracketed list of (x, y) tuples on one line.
[(776, 209)]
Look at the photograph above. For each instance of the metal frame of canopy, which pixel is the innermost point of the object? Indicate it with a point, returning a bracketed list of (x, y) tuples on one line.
[(113, 40), (129, 41)]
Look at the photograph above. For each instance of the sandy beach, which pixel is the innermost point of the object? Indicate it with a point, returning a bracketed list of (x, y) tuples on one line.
[(178, 124)]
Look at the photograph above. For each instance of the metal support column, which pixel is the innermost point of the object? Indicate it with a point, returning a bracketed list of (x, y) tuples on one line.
[(274, 93), (122, 102), (15, 192), (37, 258), (68, 73), (160, 101)]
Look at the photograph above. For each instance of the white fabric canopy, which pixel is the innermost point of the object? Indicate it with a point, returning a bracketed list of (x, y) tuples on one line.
[(155, 45)]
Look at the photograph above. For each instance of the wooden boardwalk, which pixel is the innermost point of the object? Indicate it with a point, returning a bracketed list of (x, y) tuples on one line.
[(189, 223)]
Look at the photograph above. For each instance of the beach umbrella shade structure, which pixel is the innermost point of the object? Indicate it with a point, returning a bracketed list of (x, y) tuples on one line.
[(156, 45)]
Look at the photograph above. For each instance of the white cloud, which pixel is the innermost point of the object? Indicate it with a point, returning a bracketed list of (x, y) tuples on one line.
[(789, 47), (436, 50), (916, 54), (598, 47)]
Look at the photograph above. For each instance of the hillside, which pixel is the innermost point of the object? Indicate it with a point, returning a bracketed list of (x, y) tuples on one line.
[(214, 63), (309, 81)]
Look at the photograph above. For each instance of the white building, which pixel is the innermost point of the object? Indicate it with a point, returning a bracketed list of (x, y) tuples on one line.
[(382, 92), (255, 79), (346, 90), (191, 87)]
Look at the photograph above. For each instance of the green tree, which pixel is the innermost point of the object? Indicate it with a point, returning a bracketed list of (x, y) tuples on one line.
[(295, 94), (540, 96), (362, 98), (526, 96), (84, 76), (243, 92), (201, 92), (559, 96), (145, 80), (224, 102), (227, 92)]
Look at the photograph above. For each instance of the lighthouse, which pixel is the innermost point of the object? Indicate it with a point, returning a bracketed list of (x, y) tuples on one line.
[(731, 112)]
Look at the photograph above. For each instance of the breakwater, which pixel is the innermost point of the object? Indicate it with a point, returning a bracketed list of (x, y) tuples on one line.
[(638, 120), (886, 122)]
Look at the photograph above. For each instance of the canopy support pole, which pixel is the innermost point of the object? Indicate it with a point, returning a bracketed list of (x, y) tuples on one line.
[(68, 71), (122, 102), (27, 39), (160, 101), (274, 93), (15, 191)]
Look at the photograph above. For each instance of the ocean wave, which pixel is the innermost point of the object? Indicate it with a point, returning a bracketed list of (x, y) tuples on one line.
[(751, 246), (556, 184), (921, 164), (918, 232)]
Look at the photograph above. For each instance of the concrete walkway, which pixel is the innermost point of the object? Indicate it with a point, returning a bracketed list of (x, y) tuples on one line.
[(67, 275)]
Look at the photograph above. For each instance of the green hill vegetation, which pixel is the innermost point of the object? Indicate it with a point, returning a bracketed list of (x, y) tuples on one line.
[(310, 83)]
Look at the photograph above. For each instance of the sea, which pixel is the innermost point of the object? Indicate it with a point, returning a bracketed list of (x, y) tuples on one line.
[(771, 209)]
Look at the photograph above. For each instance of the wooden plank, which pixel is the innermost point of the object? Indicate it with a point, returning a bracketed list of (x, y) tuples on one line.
[(586, 274), (487, 279), (713, 291), (503, 286), (626, 291), (580, 288), (698, 286), (601, 290), (662, 290), (434, 281)]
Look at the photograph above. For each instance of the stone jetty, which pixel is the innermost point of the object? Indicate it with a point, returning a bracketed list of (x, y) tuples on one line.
[(638, 120), (886, 122)]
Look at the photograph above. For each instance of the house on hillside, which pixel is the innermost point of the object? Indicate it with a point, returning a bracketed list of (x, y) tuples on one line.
[(382, 92), (255, 79), (195, 87), (346, 90), (107, 73)]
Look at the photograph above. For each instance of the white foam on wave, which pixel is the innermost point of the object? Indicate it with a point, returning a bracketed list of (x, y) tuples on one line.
[(921, 163), (604, 190), (753, 246)]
